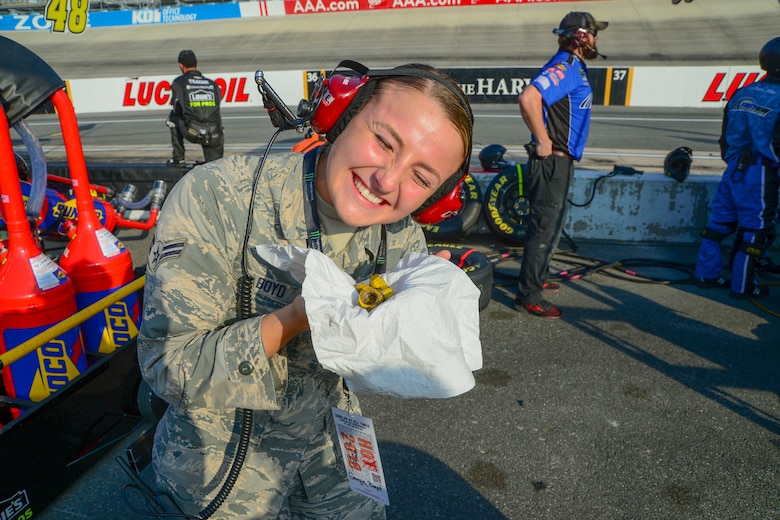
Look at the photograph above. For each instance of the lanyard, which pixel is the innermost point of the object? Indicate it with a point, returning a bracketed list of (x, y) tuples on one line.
[(313, 234)]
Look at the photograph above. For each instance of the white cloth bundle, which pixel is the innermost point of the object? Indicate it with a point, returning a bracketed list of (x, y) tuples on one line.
[(422, 342)]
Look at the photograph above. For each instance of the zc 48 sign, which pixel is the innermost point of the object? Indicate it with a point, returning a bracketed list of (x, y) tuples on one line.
[(67, 14)]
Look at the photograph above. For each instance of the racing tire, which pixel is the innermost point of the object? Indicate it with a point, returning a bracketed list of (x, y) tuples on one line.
[(506, 207), (475, 264), (463, 223), (149, 405)]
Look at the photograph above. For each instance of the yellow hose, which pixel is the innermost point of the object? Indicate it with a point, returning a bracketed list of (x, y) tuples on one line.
[(762, 307), (18, 352)]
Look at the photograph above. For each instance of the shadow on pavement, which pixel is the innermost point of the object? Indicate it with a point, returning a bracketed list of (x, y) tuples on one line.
[(421, 486)]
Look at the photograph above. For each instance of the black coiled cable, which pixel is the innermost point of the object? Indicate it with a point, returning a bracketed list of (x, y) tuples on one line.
[(244, 296), (244, 303), (244, 417)]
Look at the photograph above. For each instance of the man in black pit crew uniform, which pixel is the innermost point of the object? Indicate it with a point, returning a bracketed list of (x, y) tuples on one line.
[(556, 109), (195, 115)]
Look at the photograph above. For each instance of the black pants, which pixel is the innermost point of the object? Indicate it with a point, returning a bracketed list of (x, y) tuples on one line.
[(548, 184), (214, 150)]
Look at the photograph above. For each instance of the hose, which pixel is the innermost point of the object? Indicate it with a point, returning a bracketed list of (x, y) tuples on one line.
[(156, 194), (38, 167), (625, 269), (616, 170)]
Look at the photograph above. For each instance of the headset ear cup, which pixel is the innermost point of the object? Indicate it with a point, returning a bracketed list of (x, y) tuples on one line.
[(332, 100), (356, 103), (332, 96), (443, 201)]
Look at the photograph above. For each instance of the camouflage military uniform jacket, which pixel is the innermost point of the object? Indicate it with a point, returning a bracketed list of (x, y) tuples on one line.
[(205, 362)]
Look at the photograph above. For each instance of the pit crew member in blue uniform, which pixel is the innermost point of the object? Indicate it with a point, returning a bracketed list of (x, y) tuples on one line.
[(556, 109), (746, 200)]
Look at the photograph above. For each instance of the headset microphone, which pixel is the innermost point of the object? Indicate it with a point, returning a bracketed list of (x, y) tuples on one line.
[(280, 114), (573, 36)]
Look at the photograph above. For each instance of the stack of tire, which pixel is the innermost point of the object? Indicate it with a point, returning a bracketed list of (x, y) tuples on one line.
[(504, 207), (504, 204), (475, 264)]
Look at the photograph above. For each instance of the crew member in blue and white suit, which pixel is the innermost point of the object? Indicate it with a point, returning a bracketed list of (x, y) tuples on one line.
[(746, 200)]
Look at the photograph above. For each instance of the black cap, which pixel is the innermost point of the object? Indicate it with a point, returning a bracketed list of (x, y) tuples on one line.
[(188, 59), (580, 20)]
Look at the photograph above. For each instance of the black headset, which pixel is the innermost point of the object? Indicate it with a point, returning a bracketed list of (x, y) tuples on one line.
[(578, 37)]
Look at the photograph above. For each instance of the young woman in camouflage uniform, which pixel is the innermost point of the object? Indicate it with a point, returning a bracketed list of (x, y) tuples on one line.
[(393, 154)]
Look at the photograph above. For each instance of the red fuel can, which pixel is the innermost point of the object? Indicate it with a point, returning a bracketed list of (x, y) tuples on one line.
[(96, 260), (99, 264), (36, 295)]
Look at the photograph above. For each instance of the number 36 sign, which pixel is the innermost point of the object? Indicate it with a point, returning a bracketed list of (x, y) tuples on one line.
[(67, 14)]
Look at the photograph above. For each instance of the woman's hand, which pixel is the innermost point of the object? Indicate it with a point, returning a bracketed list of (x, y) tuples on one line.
[(280, 326), (444, 253)]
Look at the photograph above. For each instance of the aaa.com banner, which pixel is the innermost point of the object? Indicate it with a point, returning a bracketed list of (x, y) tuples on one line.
[(341, 6)]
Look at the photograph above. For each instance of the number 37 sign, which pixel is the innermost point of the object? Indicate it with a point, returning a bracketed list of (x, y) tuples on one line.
[(70, 15)]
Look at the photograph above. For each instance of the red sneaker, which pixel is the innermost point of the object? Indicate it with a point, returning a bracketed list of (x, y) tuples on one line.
[(550, 288), (543, 309)]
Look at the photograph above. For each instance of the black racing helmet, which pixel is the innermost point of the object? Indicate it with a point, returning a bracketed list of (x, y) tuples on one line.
[(491, 158), (769, 57), (677, 164)]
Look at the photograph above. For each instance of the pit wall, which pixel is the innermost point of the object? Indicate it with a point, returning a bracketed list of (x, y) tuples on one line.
[(650, 208), (638, 208)]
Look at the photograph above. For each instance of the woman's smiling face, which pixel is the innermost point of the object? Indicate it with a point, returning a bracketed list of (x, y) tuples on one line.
[(390, 158)]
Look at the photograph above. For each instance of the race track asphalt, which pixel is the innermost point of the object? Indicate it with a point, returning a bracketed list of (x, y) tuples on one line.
[(650, 399)]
